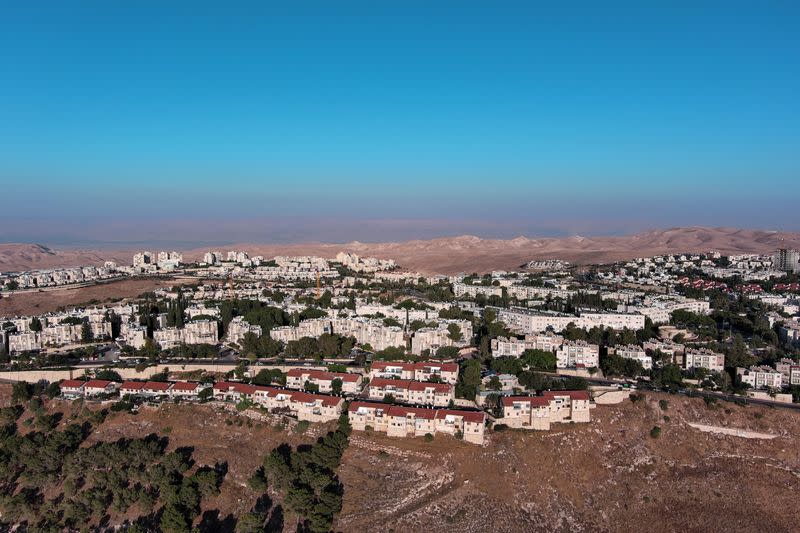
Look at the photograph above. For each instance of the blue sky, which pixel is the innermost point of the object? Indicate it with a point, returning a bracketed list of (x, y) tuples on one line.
[(495, 118)]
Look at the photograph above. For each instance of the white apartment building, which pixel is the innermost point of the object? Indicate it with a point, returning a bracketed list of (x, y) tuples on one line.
[(673, 349), (514, 347), (790, 370), (413, 392), (523, 321), (760, 377), (296, 378), (133, 335), (421, 371), (434, 338), (703, 358), (238, 327), (789, 332), (539, 412), (637, 353), (401, 421), (201, 332), (462, 289), (578, 354), (27, 341), (61, 334)]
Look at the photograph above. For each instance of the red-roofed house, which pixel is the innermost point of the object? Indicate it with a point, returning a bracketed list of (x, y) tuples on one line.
[(415, 392), (185, 390), (296, 379), (315, 407), (304, 405), (538, 412), (72, 388), (131, 387), (401, 421), (470, 424), (94, 387), (155, 389), (231, 390)]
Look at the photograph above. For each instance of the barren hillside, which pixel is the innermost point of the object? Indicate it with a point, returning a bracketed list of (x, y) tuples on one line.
[(609, 475), (458, 254), (606, 476)]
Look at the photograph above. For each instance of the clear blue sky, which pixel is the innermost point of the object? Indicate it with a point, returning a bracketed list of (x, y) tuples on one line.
[(589, 117)]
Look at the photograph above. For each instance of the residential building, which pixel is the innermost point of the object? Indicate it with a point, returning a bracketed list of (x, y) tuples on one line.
[(456, 333), (523, 321), (637, 353), (788, 260), (185, 390), (94, 387), (72, 388), (760, 377), (238, 327), (28, 341), (413, 392), (539, 412), (296, 378), (401, 421), (420, 371), (514, 347), (790, 370), (703, 358), (578, 354)]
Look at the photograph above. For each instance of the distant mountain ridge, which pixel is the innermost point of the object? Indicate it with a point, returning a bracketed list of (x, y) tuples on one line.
[(464, 253)]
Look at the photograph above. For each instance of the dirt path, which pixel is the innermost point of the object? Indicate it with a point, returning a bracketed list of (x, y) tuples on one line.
[(735, 432)]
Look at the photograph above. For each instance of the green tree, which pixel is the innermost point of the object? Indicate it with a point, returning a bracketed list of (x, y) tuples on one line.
[(454, 333), (86, 333), (539, 360)]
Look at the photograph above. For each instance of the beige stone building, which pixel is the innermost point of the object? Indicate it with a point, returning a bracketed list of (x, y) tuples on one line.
[(401, 421), (539, 412)]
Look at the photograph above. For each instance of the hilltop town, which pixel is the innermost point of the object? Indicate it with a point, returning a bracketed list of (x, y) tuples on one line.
[(375, 353)]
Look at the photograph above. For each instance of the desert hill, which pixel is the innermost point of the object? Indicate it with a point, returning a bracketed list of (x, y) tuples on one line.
[(448, 255)]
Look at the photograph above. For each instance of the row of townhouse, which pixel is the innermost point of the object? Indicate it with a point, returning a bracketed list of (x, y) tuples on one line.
[(635, 352), (514, 347), (539, 412), (72, 388), (760, 377), (75, 388), (421, 371), (303, 405), (413, 392), (401, 421), (523, 321), (296, 378)]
